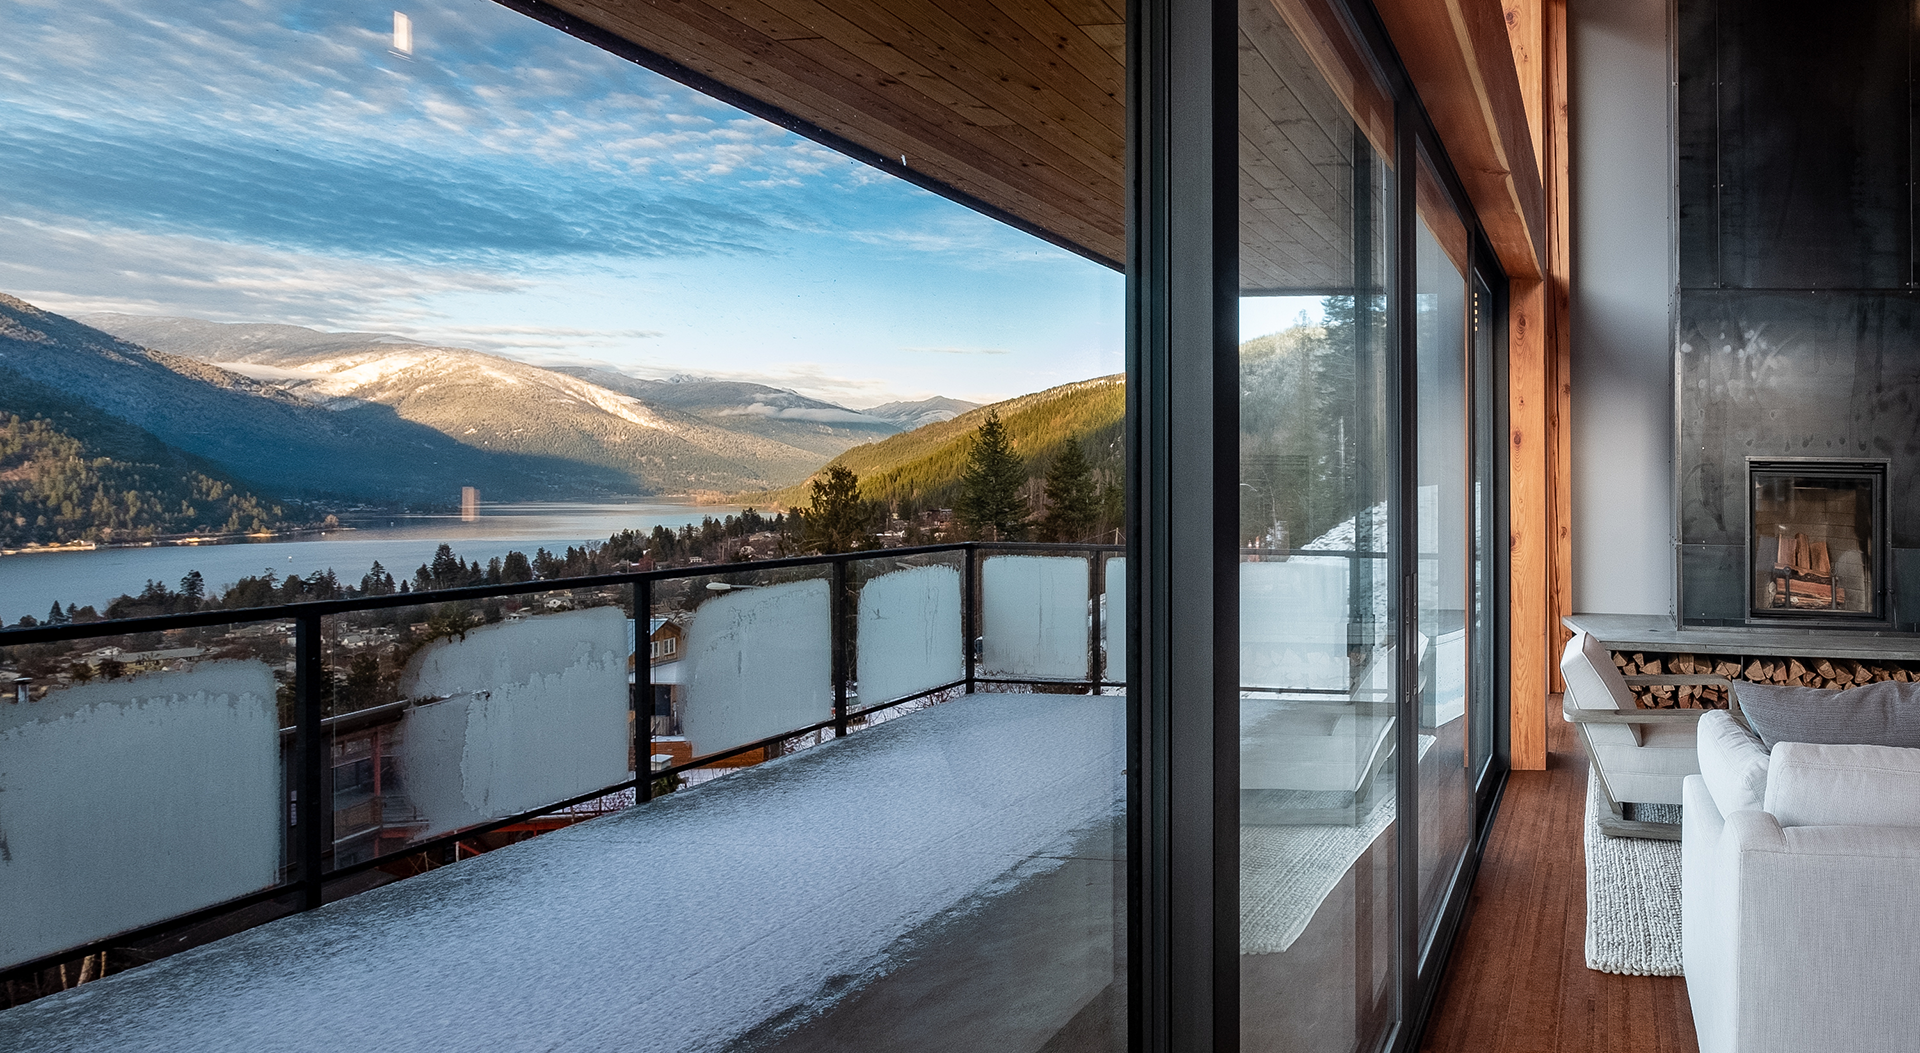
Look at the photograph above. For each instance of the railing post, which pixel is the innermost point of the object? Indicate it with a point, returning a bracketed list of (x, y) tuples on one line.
[(838, 612), (308, 808), (967, 631), (1096, 573), (641, 691)]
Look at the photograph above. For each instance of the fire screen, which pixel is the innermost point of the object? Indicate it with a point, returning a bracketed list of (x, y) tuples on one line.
[(1816, 540)]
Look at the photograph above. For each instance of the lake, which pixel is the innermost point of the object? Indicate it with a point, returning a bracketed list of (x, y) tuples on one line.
[(30, 584)]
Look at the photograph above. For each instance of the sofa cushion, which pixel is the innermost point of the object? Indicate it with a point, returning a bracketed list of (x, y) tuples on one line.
[(1651, 773), (1733, 761), (1844, 785), (1594, 683), (1882, 714)]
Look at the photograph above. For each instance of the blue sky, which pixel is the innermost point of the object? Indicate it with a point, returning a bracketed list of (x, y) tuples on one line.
[(507, 188)]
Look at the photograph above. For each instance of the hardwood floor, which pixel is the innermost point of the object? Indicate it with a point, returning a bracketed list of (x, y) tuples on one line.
[(1518, 981)]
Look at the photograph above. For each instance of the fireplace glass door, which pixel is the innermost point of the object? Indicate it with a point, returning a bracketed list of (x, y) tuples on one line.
[(1815, 539)]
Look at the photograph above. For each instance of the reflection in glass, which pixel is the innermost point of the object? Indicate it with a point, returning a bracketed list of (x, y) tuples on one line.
[(1318, 751), (1446, 797)]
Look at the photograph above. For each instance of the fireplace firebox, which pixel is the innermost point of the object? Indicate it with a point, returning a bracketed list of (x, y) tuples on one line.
[(1817, 541)]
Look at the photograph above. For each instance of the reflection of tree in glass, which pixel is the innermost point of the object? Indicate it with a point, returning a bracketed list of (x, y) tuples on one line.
[(1307, 414)]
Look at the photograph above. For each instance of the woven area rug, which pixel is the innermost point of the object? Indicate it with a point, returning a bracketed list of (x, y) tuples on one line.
[(1633, 894)]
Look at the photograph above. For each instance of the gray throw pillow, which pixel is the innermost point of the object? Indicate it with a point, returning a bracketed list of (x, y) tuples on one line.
[(1883, 714)]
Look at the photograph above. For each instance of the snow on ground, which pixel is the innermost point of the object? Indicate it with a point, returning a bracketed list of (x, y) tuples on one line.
[(675, 926)]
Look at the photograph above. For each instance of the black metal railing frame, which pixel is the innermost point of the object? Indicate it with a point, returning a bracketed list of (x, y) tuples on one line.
[(308, 809)]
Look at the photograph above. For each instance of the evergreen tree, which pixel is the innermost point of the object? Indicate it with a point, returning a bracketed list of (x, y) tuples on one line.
[(193, 588), (516, 568), (56, 616), (377, 582), (1073, 505), (990, 502), (836, 520)]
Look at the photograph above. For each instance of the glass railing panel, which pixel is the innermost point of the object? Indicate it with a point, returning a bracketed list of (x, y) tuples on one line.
[(449, 716), (907, 633), (757, 656), (141, 778), (1034, 617)]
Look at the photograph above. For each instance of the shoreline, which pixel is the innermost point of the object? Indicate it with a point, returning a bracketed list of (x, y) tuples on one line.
[(189, 541)]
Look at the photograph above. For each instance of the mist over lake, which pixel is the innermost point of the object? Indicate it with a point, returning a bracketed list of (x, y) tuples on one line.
[(29, 584)]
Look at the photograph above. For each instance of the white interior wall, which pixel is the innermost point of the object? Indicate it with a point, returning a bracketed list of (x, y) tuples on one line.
[(1622, 389)]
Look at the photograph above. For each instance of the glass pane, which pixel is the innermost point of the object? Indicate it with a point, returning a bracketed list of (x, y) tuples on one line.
[(1317, 712), (1446, 795), (141, 777)]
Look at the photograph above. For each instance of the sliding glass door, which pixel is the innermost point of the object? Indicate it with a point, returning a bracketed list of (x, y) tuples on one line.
[(1316, 532), (1318, 717)]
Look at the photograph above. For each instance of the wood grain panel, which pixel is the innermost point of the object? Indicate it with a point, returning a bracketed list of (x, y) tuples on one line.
[(1018, 105), (1517, 981), (1528, 395), (1560, 264), (1462, 64)]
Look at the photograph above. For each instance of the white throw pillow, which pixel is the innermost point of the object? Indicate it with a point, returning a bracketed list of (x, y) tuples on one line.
[(1595, 682), (1810, 785), (1733, 762)]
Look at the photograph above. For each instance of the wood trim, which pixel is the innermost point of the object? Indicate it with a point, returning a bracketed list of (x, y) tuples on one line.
[(1539, 525), (1560, 268), (1527, 538), (1461, 62)]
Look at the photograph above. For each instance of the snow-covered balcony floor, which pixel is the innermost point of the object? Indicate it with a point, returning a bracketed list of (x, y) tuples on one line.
[(946, 880)]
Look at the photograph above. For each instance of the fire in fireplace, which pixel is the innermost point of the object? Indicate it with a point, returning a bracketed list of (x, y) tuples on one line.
[(1817, 540)]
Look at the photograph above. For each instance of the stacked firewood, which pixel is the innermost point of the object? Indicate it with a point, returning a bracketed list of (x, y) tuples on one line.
[(1831, 673)]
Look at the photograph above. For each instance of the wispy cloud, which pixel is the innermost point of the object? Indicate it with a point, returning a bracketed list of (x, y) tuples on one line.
[(507, 188)]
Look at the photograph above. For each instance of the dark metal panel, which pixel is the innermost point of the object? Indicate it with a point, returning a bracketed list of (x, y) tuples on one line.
[(1775, 374), (1712, 585), (1697, 145), (1182, 433), (1814, 144)]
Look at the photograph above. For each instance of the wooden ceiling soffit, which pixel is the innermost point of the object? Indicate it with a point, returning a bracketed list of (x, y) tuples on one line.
[(1461, 62), (1016, 108)]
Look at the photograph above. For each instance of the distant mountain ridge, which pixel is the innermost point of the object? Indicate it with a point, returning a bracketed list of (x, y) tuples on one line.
[(911, 415), (615, 441), (774, 413), (260, 434), (69, 472), (921, 469)]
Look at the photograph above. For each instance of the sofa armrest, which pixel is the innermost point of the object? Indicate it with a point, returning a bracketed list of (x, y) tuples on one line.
[(1576, 715), (1818, 925)]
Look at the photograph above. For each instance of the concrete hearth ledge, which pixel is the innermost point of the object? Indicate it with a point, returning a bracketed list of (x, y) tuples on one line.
[(746, 905), (1645, 632)]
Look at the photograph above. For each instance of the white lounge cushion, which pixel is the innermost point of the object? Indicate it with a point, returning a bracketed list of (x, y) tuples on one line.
[(1733, 762), (1650, 773), (1816, 785), (1594, 682)]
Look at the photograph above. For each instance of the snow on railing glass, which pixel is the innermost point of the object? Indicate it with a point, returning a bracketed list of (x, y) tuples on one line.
[(233, 766)]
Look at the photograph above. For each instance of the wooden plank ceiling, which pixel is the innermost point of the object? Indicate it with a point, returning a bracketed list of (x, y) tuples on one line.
[(1020, 106)]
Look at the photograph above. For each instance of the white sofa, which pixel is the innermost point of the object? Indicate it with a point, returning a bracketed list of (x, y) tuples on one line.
[(1800, 895)]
